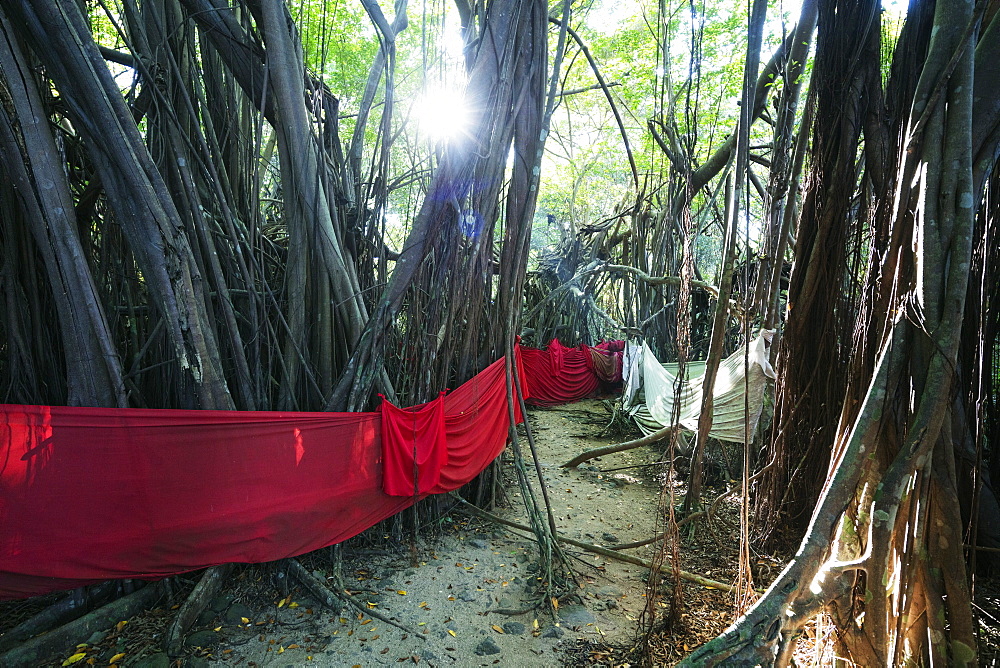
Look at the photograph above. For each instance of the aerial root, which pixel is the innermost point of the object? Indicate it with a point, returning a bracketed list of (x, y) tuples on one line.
[(655, 437), (43, 648), (196, 602)]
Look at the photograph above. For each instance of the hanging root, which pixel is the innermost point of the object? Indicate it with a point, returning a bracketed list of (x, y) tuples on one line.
[(597, 549), (341, 593)]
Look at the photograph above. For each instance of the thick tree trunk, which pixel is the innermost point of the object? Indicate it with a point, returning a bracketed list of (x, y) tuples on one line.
[(34, 164), (883, 551), (448, 246), (137, 193)]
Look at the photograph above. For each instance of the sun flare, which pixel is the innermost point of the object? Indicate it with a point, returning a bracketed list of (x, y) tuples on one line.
[(442, 114)]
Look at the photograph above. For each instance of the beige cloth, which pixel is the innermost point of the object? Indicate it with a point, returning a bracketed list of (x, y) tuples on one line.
[(654, 409)]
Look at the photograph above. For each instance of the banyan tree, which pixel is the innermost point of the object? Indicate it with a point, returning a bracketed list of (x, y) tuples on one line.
[(214, 205)]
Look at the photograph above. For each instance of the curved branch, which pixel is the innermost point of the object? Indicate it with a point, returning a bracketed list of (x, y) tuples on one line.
[(607, 94), (662, 280)]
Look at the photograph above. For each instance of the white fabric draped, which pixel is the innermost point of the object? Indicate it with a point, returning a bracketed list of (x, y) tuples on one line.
[(735, 390)]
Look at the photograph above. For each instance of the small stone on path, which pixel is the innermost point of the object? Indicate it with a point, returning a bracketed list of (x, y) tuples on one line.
[(513, 628), (575, 615), (202, 639), (236, 613), (487, 647), (221, 602), (553, 632)]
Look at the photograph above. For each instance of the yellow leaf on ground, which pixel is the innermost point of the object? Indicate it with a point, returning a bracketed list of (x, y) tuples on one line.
[(451, 632), (245, 620), (120, 625), (294, 645), (280, 649), (401, 592), (293, 604), (217, 629), (73, 659), (496, 628), (116, 658)]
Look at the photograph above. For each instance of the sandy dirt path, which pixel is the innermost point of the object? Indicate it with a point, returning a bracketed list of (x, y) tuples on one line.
[(449, 601)]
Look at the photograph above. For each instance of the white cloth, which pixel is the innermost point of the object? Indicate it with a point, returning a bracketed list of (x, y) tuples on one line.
[(734, 392), (631, 372)]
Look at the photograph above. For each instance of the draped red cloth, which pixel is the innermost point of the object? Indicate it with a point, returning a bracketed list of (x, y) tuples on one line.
[(559, 375), (90, 494), (414, 447)]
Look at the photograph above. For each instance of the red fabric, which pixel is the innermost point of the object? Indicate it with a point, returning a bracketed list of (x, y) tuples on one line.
[(558, 375), (477, 424), (413, 447), (606, 366), (89, 494), (613, 346)]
